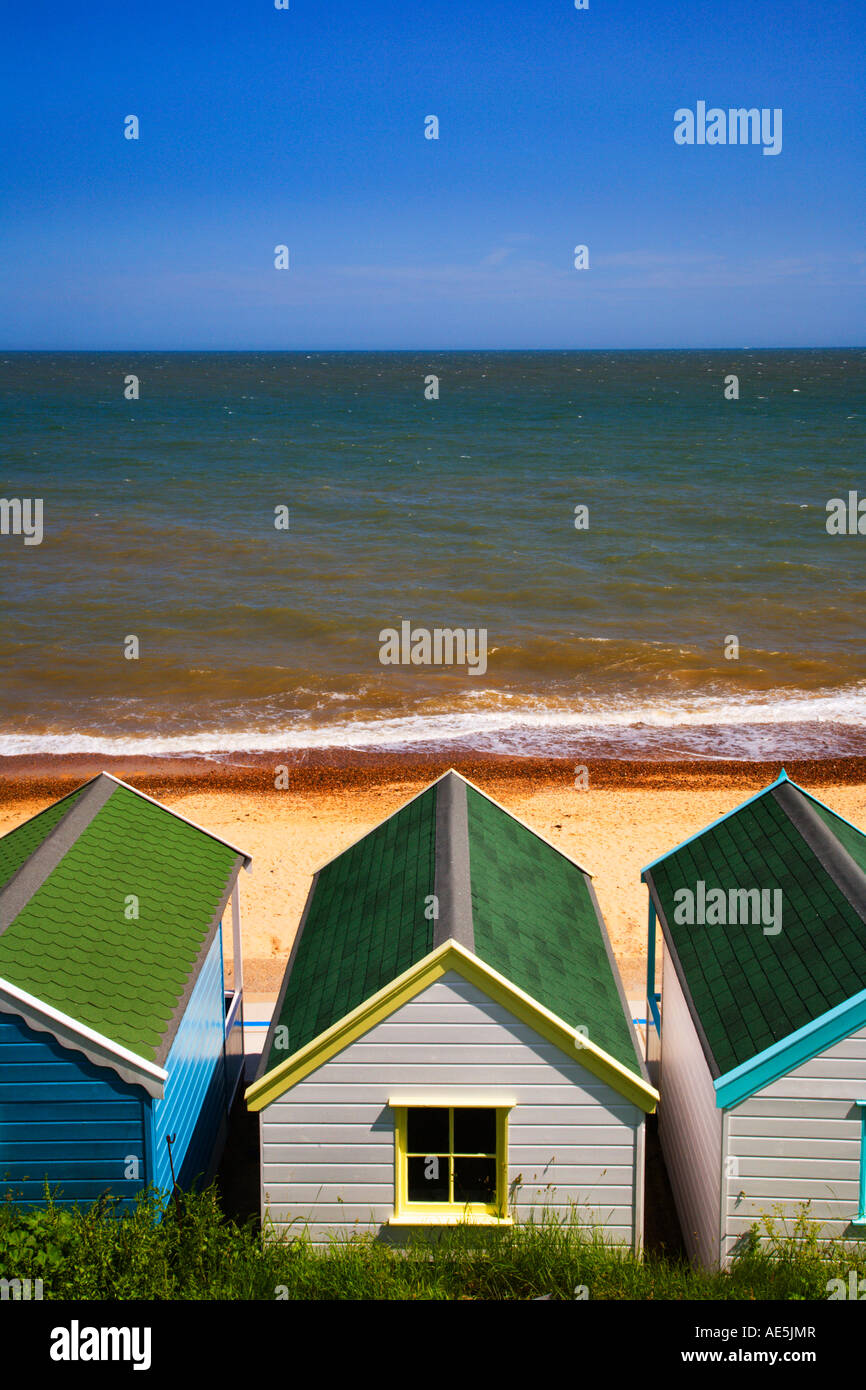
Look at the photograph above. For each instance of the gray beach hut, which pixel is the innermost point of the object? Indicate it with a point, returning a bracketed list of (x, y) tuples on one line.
[(451, 1042), (757, 1038)]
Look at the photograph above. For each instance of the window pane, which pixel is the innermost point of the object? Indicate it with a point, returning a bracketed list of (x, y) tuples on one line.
[(474, 1180), (474, 1131), (428, 1178), (427, 1131)]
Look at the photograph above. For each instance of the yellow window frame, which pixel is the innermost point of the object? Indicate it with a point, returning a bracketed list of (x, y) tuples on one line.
[(449, 1213)]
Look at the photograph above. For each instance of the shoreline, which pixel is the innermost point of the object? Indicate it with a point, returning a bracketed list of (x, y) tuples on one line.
[(28, 778)]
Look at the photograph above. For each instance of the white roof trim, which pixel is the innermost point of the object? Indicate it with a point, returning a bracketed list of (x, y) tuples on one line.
[(247, 858), (537, 833), (97, 1048)]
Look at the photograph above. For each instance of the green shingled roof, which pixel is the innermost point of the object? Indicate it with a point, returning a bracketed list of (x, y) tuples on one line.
[(65, 935), (748, 989), (364, 925), (536, 922), (505, 894), (17, 846), (853, 840)]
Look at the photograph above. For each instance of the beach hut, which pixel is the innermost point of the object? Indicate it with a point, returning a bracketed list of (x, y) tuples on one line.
[(451, 1041), (762, 1025), (120, 1048)]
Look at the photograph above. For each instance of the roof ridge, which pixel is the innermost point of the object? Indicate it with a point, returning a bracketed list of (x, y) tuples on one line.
[(525, 824), (828, 849), (247, 858), (38, 866), (837, 815), (428, 786), (452, 883), (50, 807), (735, 810), (452, 773)]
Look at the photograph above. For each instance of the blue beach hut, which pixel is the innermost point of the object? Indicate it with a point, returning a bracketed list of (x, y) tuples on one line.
[(120, 1047)]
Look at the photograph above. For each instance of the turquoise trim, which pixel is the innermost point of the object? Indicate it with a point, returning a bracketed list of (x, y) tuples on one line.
[(651, 951), (743, 1081), (782, 777), (652, 997), (653, 1002)]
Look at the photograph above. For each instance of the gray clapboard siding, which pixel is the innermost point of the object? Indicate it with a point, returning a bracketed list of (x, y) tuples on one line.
[(328, 1143), (690, 1125), (767, 1150), (798, 1139)]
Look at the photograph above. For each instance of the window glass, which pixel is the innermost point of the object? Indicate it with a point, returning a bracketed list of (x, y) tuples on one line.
[(474, 1131), (428, 1178), (427, 1131), (475, 1180)]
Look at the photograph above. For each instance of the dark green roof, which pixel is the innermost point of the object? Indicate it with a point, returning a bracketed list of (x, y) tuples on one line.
[(504, 893), (537, 923), (364, 925), (852, 839), (64, 933), (748, 989)]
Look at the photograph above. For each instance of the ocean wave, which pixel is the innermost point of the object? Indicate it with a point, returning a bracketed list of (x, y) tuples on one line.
[(824, 724)]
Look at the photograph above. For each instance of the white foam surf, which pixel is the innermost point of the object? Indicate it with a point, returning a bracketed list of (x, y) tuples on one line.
[(813, 724)]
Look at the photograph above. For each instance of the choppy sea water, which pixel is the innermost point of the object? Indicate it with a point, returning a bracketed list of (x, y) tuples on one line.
[(706, 522)]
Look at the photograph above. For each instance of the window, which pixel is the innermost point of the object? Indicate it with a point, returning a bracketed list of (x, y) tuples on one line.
[(451, 1162)]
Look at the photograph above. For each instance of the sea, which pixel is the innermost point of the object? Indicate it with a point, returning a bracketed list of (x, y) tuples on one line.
[(641, 537)]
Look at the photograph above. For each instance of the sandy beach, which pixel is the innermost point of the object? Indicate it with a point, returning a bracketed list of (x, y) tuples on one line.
[(630, 813)]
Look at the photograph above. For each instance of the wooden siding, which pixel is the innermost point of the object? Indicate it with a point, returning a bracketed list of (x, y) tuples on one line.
[(798, 1139), (328, 1143), (690, 1125), (65, 1120), (193, 1106)]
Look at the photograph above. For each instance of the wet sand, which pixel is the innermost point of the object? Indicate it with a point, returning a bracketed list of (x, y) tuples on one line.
[(630, 813)]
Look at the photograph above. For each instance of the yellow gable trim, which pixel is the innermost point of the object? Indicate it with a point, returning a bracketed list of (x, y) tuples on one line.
[(346, 1030), (629, 1084), (449, 956)]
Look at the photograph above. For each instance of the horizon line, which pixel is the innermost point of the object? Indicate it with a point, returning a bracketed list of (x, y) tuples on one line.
[(724, 347)]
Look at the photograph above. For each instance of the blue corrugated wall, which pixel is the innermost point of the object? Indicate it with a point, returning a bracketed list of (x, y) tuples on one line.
[(193, 1107), (64, 1119)]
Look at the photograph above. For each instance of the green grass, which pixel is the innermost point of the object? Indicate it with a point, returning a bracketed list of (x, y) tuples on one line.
[(189, 1250)]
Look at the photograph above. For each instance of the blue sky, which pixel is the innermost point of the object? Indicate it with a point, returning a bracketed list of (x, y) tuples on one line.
[(306, 127)]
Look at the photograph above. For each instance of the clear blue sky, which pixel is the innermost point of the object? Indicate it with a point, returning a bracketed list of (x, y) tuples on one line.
[(306, 127)]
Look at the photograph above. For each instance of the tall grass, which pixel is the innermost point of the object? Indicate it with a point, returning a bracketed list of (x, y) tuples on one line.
[(187, 1249)]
